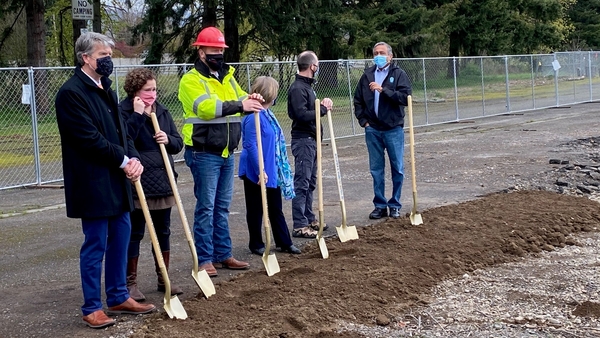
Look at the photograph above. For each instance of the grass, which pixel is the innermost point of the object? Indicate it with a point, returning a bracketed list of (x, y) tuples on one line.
[(16, 140)]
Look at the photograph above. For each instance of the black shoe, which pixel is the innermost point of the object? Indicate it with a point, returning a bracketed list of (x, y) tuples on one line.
[(395, 212), (291, 249), (259, 251), (378, 213)]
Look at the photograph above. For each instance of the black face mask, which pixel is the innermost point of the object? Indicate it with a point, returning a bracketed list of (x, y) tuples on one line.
[(104, 66), (214, 61)]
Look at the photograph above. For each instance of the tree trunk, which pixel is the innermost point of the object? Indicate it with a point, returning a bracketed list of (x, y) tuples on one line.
[(36, 53), (453, 50), (97, 22), (232, 36), (36, 33), (209, 16), (78, 25)]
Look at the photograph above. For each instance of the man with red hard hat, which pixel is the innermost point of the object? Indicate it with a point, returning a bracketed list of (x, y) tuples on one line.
[(213, 103)]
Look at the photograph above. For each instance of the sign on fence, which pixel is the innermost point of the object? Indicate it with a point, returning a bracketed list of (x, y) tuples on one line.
[(82, 9)]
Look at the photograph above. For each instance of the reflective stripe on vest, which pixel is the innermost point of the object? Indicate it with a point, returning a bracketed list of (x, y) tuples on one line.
[(226, 119)]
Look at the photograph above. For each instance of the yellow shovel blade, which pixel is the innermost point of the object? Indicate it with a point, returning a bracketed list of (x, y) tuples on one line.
[(415, 218), (204, 282), (174, 308), (270, 262), (323, 247)]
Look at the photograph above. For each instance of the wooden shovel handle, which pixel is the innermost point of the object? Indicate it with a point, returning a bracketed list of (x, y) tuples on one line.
[(412, 145), (186, 226)]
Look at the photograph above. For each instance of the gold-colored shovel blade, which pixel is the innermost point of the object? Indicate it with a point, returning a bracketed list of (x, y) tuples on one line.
[(174, 308), (204, 282), (270, 262), (415, 218), (323, 247), (346, 233), (341, 232)]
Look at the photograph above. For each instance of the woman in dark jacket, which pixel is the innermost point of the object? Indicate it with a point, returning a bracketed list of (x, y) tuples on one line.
[(140, 85)]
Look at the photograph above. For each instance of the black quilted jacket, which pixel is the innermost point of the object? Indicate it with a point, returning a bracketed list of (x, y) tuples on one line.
[(155, 180)]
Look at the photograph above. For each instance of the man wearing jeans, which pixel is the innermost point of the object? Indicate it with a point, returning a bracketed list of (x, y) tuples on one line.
[(379, 101), (212, 101)]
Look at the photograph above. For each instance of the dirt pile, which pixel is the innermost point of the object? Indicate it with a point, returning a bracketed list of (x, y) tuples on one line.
[(390, 268)]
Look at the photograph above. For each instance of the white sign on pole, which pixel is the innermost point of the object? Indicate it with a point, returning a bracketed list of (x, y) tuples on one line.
[(82, 9), (26, 96), (555, 65)]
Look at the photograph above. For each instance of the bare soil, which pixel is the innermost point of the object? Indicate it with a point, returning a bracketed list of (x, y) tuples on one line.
[(487, 192), (390, 268)]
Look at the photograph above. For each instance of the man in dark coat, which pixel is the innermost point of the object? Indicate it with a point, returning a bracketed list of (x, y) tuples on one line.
[(98, 161), (379, 101)]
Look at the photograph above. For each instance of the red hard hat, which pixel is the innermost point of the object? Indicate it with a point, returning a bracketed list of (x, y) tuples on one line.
[(210, 37)]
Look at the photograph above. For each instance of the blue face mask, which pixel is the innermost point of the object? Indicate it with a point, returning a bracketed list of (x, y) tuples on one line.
[(380, 61)]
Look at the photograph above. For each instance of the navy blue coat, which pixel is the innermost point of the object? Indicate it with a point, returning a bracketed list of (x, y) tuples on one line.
[(392, 99), (94, 142)]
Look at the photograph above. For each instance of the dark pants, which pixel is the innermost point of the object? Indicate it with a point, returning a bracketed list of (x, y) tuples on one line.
[(105, 239), (305, 180), (254, 215), (162, 225)]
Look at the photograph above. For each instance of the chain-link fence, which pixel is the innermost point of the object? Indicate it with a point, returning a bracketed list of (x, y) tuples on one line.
[(444, 90)]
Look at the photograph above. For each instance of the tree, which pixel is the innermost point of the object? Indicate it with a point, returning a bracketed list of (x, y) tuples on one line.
[(585, 15)]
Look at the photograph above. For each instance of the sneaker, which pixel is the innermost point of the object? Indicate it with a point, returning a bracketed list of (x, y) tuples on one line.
[(378, 213), (315, 225)]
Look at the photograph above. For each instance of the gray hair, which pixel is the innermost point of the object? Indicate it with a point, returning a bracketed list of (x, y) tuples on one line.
[(86, 43), (389, 48)]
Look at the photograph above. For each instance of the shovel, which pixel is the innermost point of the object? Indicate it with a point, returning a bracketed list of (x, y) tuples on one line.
[(173, 306), (320, 238), (415, 217), (345, 233), (269, 259), (201, 277)]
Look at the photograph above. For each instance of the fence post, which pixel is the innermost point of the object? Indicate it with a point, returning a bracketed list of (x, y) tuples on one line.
[(482, 86), (248, 76), (425, 93), (555, 81), (532, 82), (34, 128), (507, 85), (455, 88), (350, 96), (117, 84), (589, 74)]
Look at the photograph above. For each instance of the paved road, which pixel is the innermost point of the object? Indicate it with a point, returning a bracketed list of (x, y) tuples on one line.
[(39, 278)]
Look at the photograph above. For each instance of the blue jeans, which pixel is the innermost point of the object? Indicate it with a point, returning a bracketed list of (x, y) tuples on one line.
[(110, 237), (393, 141), (213, 188)]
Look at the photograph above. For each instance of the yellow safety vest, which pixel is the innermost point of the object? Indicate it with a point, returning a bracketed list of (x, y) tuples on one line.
[(202, 100)]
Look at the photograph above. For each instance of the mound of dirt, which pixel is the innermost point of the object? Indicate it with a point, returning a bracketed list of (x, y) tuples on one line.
[(390, 268)]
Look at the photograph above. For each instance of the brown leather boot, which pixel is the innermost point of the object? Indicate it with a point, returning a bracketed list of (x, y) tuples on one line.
[(132, 287), (160, 284)]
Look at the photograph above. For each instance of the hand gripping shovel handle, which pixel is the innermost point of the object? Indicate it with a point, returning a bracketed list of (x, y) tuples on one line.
[(320, 239), (173, 306), (201, 278), (269, 260)]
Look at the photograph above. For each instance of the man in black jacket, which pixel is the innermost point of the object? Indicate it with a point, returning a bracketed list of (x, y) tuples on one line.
[(301, 109), (379, 101), (99, 159)]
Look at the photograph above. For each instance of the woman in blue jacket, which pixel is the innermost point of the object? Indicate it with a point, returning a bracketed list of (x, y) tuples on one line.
[(278, 172), (140, 85)]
